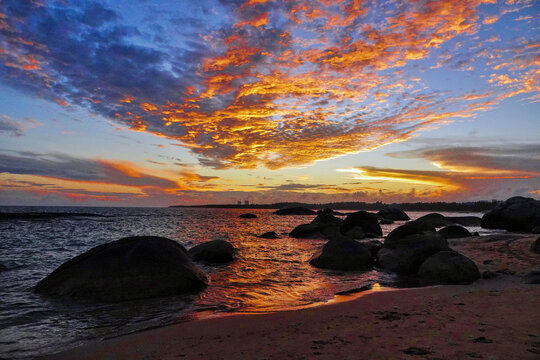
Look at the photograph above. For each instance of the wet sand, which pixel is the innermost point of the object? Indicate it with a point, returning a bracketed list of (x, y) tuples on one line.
[(490, 319)]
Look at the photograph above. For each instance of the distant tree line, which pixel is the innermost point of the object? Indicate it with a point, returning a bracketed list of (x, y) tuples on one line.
[(472, 206)]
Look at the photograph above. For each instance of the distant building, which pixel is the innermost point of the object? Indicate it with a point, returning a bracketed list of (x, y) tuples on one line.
[(239, 202), (246, 202)]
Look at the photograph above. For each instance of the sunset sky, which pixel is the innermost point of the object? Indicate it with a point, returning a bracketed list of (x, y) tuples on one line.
[(155, 103)]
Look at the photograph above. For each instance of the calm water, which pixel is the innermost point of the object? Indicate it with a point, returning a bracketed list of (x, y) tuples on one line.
[(269, 275)]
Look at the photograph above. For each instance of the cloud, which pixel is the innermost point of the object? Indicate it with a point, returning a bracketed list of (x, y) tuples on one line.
[(265, 83), (466, 172), (13, 127)]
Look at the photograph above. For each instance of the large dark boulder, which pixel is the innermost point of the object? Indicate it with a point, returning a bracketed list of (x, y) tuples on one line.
[(130, 268), (316, 231), (215, 251), (299, 210), (535, 246), (393, 212), (248, 216), (518, 214), (406, 254), (454, 231), (372, 245), (367, 221), (307, 231), (342, 255), (435, 220), (449, 267), (410, 228)]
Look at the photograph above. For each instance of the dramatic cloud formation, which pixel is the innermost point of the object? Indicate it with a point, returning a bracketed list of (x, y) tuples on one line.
[(467, 172), (273, 83)]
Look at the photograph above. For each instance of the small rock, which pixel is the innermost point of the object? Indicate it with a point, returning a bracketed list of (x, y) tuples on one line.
[(215, 251), (482, 340), (532, 277), (488, 262), (248, 216), (417, 351), (269, 235), (298, 210)]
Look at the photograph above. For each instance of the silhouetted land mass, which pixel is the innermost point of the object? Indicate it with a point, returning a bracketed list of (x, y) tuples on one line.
[(476, 206), (44, 215)]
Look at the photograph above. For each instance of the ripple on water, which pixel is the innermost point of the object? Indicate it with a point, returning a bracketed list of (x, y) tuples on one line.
[(269, 274)]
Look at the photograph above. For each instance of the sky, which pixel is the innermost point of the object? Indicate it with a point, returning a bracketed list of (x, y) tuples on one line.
[(157, 103)]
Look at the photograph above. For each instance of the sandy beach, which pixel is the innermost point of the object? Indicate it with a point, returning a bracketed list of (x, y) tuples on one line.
[(490, 319)]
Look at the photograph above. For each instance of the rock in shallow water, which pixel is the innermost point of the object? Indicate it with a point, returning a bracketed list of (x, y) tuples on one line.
[(449, 267), (215, 251), (135, 267), (392, 212), (248, 216), (367, 221), (342, 255), (299, 210), (269, 235)]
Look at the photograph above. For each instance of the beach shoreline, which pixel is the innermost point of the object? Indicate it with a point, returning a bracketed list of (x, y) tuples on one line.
[(448, 322), (489, 319)]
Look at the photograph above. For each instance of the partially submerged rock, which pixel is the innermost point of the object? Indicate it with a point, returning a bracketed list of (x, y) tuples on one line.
[(435, 220), (298, 210), (343, 255), (367, 221), (248, 216), (215, 251), (130, 268), (449, 267), (269, 235), (454, 231), (323, 226), (518, 214), (393, 212)]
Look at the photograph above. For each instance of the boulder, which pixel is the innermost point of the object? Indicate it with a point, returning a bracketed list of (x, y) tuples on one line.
[(299, 210), (248, 216), (393, 212), (269, 235), (386, 222), (535, 246), (356, 233), (406, 254), (454, 231), (130, 268), (373, 246), (316, 231), (342, 255), (326, 219), (518, 214), (489, 275), (435, 220), (215, 251), (410, 228), (449, 267), (367, 221)]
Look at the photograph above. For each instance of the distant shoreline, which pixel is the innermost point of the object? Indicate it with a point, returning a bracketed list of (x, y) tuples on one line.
[(477, 206)]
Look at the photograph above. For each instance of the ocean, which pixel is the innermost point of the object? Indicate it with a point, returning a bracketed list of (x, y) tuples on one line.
[(269, 275)]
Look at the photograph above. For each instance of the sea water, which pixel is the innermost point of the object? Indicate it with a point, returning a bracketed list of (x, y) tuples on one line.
[(269, 275)]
